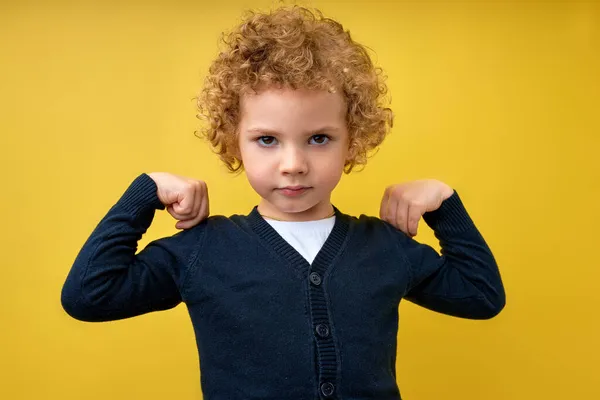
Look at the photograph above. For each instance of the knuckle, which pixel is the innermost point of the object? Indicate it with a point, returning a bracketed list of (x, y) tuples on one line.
[(406, 196), (419, 204), (188, 186)]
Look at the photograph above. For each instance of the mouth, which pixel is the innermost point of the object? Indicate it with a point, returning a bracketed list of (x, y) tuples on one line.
[(295, 187), (292, 191)]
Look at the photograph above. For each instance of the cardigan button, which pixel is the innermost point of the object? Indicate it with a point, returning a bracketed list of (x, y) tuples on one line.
[(327, 389), (315, 278), (322, 330)]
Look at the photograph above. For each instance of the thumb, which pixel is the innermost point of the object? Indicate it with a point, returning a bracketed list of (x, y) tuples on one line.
[(184, 203)]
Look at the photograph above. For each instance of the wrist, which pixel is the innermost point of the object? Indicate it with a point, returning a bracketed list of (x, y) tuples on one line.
[(447, 192)]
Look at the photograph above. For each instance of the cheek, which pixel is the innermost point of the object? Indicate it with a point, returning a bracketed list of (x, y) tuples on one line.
[(333, 159), (257, 169), (249, 156), (330, 167)]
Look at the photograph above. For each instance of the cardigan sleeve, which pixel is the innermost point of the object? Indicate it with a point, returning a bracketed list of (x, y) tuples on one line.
[(464, 280), (109, 281)]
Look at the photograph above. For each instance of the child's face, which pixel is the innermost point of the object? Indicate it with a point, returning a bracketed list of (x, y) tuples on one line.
[(294, 145)]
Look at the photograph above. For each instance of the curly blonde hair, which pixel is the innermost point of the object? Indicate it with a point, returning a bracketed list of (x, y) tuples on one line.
[(297, 48)]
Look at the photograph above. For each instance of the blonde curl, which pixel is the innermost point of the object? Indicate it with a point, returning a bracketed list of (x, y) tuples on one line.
[(293, 47)]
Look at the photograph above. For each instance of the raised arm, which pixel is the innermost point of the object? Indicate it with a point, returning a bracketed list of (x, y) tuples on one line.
[(463, 281), (109, 281)]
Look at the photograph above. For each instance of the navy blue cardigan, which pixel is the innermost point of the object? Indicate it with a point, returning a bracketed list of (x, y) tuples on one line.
[(268, 324)]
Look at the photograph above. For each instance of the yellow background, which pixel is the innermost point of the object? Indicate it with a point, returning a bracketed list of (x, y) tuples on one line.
[(499, 99)]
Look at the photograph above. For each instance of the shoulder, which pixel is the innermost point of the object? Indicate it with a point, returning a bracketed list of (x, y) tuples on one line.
[(380, 235), (188, 243), (211, 224), (220, 226), (374, 228), (371, 223)]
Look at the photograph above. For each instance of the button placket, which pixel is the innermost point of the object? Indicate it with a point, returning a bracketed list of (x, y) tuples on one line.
[(327, 357)]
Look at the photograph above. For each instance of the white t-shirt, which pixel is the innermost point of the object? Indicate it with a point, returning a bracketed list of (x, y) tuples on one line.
[(307, 237)]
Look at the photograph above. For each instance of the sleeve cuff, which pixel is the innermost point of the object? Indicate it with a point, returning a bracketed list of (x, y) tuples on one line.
[(141, 195), (451, 217)]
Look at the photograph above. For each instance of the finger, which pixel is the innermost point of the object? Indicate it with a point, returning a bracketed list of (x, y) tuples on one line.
[(206, 202), (175, 214), (197, 199), (401, 217), (202, 205), (202, 211), (186, 223), (383, 211), (392, 210), (414, 216), (185, 201)]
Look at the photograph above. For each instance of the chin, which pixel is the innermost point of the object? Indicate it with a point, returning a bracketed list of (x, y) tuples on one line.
[(294, 206)]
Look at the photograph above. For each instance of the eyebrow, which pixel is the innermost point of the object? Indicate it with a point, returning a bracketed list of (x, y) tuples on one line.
[(272, 132)]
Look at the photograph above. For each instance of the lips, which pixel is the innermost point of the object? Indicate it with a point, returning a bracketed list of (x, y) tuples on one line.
[(291, 191), (295, 187)]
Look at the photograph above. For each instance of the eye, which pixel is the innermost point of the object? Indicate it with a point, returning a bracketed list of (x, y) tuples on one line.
[(266, 141), (319, 139)]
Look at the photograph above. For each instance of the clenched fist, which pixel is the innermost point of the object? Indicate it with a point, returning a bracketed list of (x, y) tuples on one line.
[(403, 205), (186, 199)]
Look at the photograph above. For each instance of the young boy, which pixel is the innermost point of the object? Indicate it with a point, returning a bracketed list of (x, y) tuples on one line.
[(295, 300)]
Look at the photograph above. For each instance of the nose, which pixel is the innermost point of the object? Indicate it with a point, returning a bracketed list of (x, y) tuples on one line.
[(293, 161)]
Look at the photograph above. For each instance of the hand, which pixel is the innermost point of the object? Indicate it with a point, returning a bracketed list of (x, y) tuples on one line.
[(185, 199), (404, 204)]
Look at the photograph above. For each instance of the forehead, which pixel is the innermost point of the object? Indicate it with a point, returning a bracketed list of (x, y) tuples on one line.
[(285, 108)]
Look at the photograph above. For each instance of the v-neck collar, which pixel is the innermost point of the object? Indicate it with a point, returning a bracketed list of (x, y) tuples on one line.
[(330, 249)]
